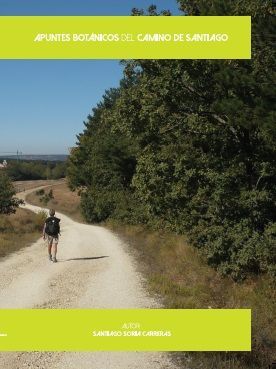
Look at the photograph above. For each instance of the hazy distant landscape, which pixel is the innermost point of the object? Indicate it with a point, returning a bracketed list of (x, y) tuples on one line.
[(35, 157)]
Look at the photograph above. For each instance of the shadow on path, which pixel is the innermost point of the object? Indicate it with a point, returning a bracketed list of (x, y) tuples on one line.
[(85, 258)]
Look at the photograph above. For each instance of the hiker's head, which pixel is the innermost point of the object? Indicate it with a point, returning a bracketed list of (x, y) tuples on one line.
[(52, 212)]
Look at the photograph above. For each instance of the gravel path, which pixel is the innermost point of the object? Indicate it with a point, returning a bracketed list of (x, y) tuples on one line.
[(94, 270)]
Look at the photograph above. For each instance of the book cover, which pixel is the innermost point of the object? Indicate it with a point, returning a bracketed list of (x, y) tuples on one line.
[(137, 184)]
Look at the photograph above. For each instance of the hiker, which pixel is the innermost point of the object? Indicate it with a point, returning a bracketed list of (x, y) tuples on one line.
[(51, 232)]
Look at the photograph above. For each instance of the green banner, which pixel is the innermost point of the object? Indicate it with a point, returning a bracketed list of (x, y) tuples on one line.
[(125, 330), (125, 37)]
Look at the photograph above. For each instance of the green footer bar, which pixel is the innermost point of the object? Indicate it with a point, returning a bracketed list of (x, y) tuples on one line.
[(125, 330)]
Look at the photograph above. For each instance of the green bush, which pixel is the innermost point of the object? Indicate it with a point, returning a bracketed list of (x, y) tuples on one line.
[(8, 202), (46, 197), (97, 206), (40, 192)]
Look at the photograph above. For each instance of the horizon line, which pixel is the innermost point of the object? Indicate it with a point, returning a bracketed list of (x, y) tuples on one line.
[(21, 154)]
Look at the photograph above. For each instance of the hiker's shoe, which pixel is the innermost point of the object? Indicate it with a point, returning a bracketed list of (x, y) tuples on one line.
[(50, 258), (54, 260)]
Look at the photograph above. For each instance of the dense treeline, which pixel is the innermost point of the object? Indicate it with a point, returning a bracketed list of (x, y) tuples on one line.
[(33, 170), (189, 146)]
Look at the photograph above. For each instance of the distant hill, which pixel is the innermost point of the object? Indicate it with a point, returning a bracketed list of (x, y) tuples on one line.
[(36, 157)]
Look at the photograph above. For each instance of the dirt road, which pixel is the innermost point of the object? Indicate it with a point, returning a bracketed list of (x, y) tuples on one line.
[(94, 270)]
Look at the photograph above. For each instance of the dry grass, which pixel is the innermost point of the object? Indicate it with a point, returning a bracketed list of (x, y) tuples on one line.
[(177, 273), (19, 230), (64, 201), (21, 186), (24, 227)]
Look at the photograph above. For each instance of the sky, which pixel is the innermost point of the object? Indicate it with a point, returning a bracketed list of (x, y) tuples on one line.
[(43, 103)]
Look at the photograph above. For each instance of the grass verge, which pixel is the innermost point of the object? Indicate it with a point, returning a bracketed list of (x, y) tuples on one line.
[(19, 230), (177, 273)]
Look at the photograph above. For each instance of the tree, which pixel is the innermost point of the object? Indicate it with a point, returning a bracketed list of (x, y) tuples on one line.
[(8, 203), (102, 165), (206, 164), (203, 143)]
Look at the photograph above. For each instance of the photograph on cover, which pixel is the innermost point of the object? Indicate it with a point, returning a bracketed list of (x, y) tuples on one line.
[(140, 184)]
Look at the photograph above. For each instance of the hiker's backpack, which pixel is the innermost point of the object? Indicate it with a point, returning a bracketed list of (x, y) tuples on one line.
[(52, 226)]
